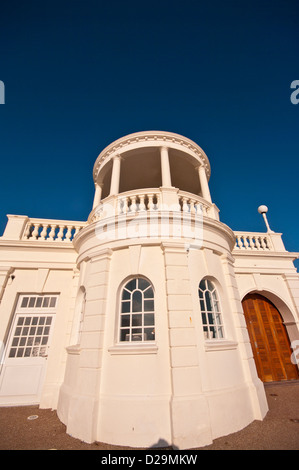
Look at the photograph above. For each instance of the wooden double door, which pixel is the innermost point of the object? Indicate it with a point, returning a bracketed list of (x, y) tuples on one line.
[(269, 340)]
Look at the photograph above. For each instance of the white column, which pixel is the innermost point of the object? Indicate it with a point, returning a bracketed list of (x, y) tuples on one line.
[(204, 183), (115, 178), (165, 167), (98, 195)]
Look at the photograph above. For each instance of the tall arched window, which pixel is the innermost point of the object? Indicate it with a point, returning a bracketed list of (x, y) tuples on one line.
[(137, 315), (210, 310)]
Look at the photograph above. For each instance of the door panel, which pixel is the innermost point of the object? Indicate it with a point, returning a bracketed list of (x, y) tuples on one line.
[(24, 366), (269, 340)]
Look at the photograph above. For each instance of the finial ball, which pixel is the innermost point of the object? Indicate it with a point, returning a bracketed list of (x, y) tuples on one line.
[(263, 209)]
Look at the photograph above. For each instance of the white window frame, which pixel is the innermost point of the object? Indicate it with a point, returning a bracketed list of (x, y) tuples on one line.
[(136, 323), (211, 312), (30, 306)]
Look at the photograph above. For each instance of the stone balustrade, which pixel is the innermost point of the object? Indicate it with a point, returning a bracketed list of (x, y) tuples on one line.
[(148, 200), (51, 230), (253, 241)]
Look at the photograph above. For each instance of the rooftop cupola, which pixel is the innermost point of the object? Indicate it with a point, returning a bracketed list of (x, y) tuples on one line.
[(154, 167)]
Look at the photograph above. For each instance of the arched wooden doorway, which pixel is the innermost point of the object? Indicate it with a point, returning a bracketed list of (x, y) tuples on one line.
[(269, 340)]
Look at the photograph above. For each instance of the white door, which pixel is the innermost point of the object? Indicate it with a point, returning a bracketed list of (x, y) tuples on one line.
[(25, 358)]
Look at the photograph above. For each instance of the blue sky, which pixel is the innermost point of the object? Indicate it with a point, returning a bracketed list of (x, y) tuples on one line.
[(80, 74)]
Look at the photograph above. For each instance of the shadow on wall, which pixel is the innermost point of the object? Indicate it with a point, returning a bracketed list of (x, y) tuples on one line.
[(163, 445)]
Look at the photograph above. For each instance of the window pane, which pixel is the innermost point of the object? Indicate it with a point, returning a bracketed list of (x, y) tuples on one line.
[(53, 302), (143, 284), (25, 330), (125, 335), (202, 285), (131, 285), (126, 295), (39, 302), (137, 301), (136, 334), (31, 302), (46, 302), (149, 293), (24, 302), (204, 318), (21, 321), (20, 352), (27, 352), (34, 321), (12, 352), (149, 319), (208, 301), (137, 320), (125, 320), (202, 306), (220, 332), (149, 334), (212, 332), (125, 307), (148, 305), (210, 285)]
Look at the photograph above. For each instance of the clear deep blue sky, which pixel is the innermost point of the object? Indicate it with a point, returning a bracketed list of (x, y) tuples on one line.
[(80, 74)]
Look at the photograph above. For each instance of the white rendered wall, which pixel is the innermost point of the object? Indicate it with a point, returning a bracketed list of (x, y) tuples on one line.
[(181, 391)]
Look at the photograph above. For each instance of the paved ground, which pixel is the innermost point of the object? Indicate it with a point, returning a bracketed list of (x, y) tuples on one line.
[(278, 431)]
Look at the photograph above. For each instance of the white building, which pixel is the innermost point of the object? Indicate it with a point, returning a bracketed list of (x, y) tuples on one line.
[(151, 321)]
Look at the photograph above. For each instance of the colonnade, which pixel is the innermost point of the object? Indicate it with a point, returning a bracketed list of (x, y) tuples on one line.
[(166, 177)]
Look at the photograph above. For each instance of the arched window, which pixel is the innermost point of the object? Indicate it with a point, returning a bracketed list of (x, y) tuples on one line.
[(137, 315), (210, 310)]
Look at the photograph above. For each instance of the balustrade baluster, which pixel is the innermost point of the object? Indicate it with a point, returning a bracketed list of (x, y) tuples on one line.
[(263, 244), (43, 234), (151, 205), (251, 242), (35, 231), (60, 233), (68, 233), (28, 231), (52, 232), (133, 206), (240, 241), (185, 204), (141, 203)]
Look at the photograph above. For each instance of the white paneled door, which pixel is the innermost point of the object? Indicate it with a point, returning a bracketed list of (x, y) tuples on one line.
[(24, 362)]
